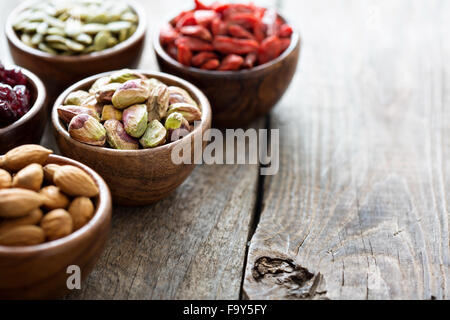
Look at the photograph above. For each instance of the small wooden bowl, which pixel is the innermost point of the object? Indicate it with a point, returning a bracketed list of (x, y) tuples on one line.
[(58, 72), (238, 97), (135, 177), (40, 272), (29, 128)]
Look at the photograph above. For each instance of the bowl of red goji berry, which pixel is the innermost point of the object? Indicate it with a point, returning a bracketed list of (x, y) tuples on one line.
[(23, 111), (241, 55)]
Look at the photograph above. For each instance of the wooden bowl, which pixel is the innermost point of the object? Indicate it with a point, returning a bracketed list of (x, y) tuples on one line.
[(58, 72), (238, 97), (40, 272), (135, 177), (29, 128)]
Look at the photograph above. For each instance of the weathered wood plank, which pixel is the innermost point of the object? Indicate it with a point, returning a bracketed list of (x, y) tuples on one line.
[(362, 197), (189, 246)]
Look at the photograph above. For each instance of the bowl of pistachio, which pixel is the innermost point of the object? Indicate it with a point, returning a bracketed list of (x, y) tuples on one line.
[(66, 41), (142, 131)]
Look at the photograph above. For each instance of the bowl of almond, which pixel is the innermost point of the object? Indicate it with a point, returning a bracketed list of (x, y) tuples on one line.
[(55, 216)]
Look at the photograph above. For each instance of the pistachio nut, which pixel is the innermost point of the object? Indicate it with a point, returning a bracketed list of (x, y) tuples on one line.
[(100, 82), (176, 120), (93, 104), (118, 138), (178, 95), (105, 93), (66, 113), (177, 127), (154, 136), (130, 93), (189, 112), (76, 98), (158, 101), (111, 113), (125, 75), (135, 119), (85, 128)]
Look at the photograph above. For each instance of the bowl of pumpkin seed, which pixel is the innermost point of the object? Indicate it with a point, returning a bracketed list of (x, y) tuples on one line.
[(63, 41)]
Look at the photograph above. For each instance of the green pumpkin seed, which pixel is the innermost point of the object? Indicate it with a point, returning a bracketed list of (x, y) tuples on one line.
[(74, 46), (42, 46), (42, 28), (58, 46), (101, 40), (93, 28), (55, 31), (130, 17), (84, 38), (119, 26), (36, 39), (26, 38), (73, 28), (31, 27)]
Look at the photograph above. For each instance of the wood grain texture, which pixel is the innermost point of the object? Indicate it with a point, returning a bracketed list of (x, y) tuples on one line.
[(360, 207)]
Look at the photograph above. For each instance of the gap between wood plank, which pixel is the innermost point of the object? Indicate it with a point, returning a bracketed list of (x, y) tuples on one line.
[(257, 208)]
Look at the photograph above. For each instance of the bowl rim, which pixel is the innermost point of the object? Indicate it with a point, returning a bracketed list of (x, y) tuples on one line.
[(200, 97), (159, 50), (121, 47), (104, 208), (38, 105)]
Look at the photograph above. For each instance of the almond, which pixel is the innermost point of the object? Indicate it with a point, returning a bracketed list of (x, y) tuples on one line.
[(75, 182), (30, 177), (20, 157), (5, 179), (82, 210), (49, 171), (57, 224), (33, 218), (22, 236), (54, 198), (16, 203)]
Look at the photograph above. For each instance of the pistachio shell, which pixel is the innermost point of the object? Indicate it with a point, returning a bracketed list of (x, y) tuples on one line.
[(135, 120), (118, 138), (105, 93), (130, 93), (87, 129), (66, 113), (176, 120), (111, 113), (159, 99), (99, 83), (76, 98), (178, 95), (125, 75), (154, 136), (189, 112)]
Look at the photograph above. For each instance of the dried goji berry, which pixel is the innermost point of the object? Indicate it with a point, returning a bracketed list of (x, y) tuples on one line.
[(172, 51), (202, 57), (205, 17), (218, 27), (197, 32), (245, 20), (231, 62), (270, 49), (184, 55), (285, 31), (250, 60), (201, 6), (195, 44), (270, 20), (229, 45), (186, 20), (259, 30), (239, 32), (211, 64), (167, 35), (285, 43)]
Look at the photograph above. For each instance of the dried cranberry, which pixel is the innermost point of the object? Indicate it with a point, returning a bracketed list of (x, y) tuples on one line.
[(9, 104), (23, 97)]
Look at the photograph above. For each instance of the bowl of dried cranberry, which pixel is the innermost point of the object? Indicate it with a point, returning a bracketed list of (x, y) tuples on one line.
[(242, 56), (22, 108)]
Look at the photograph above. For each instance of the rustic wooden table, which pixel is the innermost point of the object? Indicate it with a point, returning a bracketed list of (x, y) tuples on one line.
[(360, 206)]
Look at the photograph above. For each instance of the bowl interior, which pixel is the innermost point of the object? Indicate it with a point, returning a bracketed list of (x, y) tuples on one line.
[(12, 36), (102, 210), (169, 80), (38, 97)]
